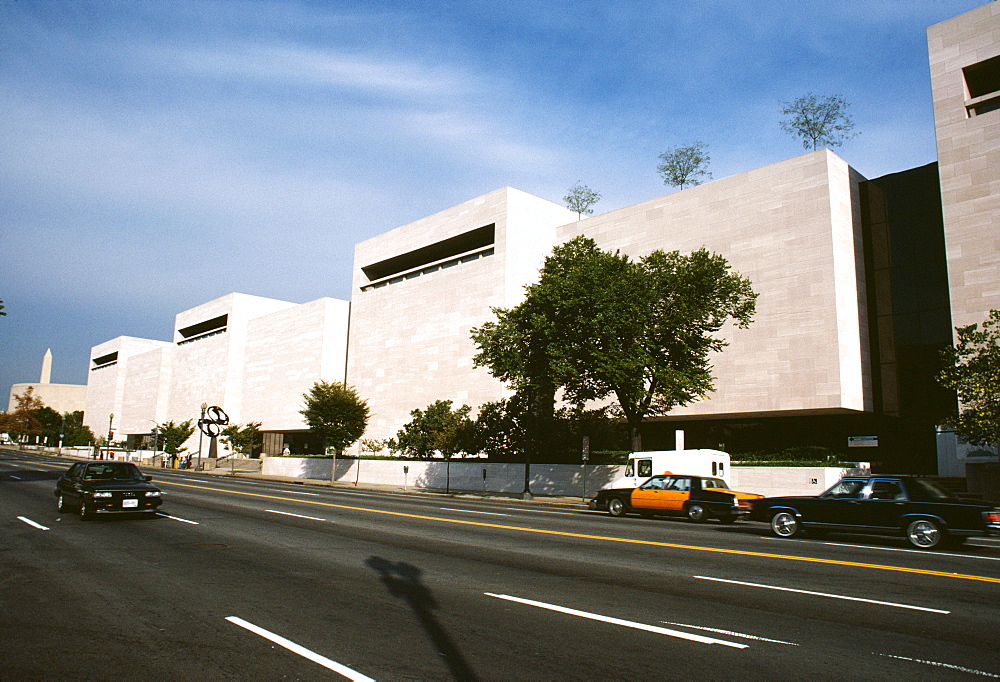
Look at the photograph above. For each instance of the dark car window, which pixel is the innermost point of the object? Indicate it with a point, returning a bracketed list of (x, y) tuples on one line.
[(645, 467), (923, 490), (654, 484), (848, 489), (74, 471), (679, 483), (114, 471), (713, 483), (887, 490)]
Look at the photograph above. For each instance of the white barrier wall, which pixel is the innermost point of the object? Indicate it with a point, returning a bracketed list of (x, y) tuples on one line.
[(545, 479)]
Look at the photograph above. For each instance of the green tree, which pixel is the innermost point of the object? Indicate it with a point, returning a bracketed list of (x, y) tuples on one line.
[(241, 439), (606, 326), (173, 436), (972, 370), (580, 199), (335, 413), (74, 430), (684, 165), (819, 121), (438, 428), (23, 420), (50, 424)]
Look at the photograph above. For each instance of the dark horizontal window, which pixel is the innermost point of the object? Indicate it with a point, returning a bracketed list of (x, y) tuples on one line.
[(469, 241), (215, 324), (108, 359)]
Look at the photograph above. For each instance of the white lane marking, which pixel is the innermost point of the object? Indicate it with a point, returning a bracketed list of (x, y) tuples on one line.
[(618, 621), (913, 551), (894, 549), (541, 511), (196, 480), (177, 518), (32, 523), (16, 478), (300, 650), (471, 511), (942, 665), (822, 594), (301, 516), (731, 633), (298, 492)]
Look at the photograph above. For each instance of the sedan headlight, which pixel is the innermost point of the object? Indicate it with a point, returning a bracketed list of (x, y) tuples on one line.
[(102, 494), (153, 493)]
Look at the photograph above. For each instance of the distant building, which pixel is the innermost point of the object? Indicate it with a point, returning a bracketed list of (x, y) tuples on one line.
[(60, 397), (861, 283)]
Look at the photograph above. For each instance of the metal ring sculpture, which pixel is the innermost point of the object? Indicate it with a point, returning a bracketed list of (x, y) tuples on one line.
[(213, 421)]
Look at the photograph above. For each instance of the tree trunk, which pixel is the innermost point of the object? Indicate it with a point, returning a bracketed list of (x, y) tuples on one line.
[(635, 435)]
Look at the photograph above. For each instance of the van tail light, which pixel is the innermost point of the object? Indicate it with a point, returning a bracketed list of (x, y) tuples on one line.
[(992, 517)]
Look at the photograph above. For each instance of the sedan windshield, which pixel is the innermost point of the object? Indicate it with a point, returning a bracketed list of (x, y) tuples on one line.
[(117, 471)]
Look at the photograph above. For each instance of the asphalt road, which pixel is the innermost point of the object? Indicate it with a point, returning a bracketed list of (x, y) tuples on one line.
[(244, 579)]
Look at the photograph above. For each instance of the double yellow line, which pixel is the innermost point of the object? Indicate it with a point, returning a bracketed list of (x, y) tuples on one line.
[(653, 543)]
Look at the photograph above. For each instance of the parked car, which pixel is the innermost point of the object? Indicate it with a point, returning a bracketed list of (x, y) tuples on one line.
[(106, 487), (696, 497), (917, 508)]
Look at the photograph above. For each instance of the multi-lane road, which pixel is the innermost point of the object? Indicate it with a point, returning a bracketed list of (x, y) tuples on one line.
[(244, 579)]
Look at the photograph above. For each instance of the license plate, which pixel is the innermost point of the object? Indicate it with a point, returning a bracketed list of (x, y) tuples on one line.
[(129, 503)]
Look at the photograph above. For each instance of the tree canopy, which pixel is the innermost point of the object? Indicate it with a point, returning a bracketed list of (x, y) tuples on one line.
[(972, 370), (599, 325), (24, 419), (437, 429), (173, 436), (241, 439), (581, 199), (819, 121), (684, 165), (335, 413)]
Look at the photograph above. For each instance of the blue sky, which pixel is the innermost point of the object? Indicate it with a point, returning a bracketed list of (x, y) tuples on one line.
[(156, 155)]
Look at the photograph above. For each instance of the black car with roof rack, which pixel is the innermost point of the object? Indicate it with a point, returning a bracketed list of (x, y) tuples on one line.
[(914, 507)]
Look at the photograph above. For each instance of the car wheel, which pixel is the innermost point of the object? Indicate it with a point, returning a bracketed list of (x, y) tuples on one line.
[(696, 513), (84, 511), (616, 506), (924, 534), (785, 525), (61, 504)]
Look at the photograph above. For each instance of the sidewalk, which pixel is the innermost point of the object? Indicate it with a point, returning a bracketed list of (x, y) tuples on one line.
[(513, 498), (546, 500)]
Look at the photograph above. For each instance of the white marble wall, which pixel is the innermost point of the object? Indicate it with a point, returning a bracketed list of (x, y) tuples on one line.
[(969, 162), (793, 229)]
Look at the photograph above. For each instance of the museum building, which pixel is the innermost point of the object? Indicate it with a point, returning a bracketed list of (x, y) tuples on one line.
[(861, 283)]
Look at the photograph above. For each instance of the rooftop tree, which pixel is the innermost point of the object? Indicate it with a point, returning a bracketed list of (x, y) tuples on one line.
[(819, 121), (580, 199), (684, 165)]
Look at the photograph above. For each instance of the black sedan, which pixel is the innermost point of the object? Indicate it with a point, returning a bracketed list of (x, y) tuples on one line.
[(106, 487), (919, 509)]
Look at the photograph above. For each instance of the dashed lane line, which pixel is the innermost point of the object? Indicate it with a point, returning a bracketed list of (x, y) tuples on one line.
[(301, 650), (823, 594), (701, 639)]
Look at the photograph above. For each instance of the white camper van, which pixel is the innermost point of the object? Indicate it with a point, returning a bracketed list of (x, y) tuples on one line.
[(642, 465)]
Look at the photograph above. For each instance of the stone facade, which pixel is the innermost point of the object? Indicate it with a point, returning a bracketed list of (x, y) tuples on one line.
[(967, 124)]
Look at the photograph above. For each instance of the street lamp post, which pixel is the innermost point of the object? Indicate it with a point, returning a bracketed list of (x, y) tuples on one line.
[(201, 421), (111, 431)]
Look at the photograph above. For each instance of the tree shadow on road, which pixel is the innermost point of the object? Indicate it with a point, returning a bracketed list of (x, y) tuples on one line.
[(403, 581)]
